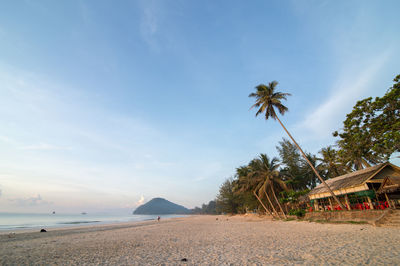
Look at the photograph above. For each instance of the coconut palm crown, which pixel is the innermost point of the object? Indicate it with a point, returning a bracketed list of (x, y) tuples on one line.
[(267, 100)]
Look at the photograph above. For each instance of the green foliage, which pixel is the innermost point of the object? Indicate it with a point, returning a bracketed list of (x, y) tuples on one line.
[(267, 99), (227, 201), (371, 132), (298, 212), (331, 165), (296, 172), (292, 196), (209, 208)]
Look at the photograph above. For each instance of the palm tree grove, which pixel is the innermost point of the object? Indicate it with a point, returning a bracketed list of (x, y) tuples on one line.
[(279, 186)]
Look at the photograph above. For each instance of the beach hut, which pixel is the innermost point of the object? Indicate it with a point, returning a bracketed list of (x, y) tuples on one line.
[(390, 187), (363, 189)]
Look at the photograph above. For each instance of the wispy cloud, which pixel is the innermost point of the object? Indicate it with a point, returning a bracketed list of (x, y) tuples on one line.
[(44, 147), (30, 201), (149, 24), (5, 139), (208, 170), (349, 88)]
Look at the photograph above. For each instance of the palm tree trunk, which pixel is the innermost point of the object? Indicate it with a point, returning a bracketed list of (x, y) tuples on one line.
[(255, 194), (315, 171), (270, 202), (277, 201)]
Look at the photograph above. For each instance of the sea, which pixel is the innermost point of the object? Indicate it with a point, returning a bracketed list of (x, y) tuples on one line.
[(23, 221)]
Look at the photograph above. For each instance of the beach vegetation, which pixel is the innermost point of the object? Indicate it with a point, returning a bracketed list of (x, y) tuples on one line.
[(209, 208), (279, 186), (371, 132), (298, 212), (227, 201), (267, 101)]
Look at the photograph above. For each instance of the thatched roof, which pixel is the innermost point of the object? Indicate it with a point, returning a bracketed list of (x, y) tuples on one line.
[(348, 180)]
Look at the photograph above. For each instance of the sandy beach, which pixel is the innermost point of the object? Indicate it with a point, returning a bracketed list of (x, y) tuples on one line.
[(206, 240)]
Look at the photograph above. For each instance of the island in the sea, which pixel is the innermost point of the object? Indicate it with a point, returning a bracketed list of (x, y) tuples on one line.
[(161, 206)]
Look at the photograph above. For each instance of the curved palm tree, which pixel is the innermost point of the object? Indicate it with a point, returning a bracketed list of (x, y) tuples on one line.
[(256, 172), (247, 181), (268, 169), (267, 99)]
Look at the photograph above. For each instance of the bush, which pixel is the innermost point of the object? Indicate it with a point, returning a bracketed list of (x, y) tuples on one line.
[(299, 213)]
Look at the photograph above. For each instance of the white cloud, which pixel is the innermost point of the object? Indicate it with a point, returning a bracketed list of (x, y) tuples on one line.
[(349, 88), (31, 201), (44, 147), (5, 139), (140, 201)]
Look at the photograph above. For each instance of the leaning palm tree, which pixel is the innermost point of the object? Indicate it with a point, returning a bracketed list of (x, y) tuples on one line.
[(247, 181), (267, 99), (257, 173), (257, 180), (268, 169)]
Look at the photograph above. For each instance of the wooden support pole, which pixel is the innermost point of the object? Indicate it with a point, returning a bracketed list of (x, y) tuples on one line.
[(370, 203), (330, 203), (346, 198), (388, 201), (316, 207)]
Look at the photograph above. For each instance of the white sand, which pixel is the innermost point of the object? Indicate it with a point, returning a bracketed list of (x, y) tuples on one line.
[(203, 240)]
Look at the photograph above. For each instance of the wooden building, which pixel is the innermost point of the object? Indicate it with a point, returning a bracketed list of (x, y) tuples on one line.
[(370, 188)]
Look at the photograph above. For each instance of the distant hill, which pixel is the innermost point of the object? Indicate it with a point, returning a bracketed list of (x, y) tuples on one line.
[(161, 206)]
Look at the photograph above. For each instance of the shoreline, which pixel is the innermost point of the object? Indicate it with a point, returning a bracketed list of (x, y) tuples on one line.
[(85, 227), (206, 240), (66, 221)]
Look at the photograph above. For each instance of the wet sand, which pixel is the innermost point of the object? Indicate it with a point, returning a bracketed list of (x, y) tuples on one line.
[(206, 240)]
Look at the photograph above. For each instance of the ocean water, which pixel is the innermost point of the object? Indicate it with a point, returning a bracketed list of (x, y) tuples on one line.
[(15, 221)]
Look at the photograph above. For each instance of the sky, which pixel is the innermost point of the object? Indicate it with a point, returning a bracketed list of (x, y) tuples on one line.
[(105, 105)]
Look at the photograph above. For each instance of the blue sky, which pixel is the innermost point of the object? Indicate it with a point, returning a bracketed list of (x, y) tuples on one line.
[(105, 105)]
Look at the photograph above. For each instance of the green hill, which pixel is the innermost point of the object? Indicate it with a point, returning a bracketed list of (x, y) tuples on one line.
[(161, 206)]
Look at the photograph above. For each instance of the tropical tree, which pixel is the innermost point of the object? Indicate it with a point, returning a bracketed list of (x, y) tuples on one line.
[(330, 163), (267, 99), (251, 178), (292, 166), (267, 170), (227, 200), (371, 132), (310, 179), (244, 186), (357, 138)]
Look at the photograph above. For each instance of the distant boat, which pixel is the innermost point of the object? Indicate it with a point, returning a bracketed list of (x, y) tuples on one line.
[(83, 213)]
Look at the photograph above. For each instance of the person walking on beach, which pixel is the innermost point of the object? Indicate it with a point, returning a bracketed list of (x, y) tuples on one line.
[(158, 218)]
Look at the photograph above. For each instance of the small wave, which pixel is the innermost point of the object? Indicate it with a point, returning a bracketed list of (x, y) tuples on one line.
[(80, 222), (11, 227)]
